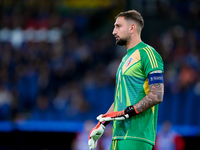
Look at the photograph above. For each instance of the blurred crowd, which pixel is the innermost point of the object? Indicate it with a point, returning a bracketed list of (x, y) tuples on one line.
[(57, 64), (50, 68)]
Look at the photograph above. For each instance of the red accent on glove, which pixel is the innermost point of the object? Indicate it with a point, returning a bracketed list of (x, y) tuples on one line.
[(114, 114), (96, 127)]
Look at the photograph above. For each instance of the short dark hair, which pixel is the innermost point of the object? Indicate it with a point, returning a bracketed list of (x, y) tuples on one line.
[(132, 15)]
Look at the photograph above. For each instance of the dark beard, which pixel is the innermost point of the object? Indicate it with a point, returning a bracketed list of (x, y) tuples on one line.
[(121, 42)]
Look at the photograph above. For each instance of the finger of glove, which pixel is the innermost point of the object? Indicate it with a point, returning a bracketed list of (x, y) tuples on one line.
[(92, 144), (102, 119), (108, 115), (119, 118), (100, 116), (93, 133), (96, 134)]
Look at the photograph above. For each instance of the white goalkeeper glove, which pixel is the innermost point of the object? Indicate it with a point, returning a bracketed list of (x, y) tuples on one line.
[(95, 134), (118, 115)]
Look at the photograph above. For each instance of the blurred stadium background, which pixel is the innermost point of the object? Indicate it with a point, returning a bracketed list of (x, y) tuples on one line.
[(58, 61)]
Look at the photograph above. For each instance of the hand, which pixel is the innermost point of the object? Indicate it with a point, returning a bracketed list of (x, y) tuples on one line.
[(118, 115), (95, 134)]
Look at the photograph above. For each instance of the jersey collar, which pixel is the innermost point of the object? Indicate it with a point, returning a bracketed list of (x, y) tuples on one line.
[(134, 48)]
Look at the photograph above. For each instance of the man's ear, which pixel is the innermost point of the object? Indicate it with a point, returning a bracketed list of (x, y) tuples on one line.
[(132, 28)]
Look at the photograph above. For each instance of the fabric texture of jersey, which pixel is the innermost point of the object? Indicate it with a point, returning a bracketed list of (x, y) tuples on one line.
[(130, 144), (132, 86)]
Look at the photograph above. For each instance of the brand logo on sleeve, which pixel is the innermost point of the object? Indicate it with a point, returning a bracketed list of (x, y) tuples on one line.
[(156, 78)]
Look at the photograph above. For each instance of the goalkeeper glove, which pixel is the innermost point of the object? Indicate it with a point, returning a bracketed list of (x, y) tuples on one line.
[(118, 115), (95, 134)]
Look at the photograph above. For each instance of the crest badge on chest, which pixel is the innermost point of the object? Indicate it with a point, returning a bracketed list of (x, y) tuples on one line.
[(133, 58), (128, 62)]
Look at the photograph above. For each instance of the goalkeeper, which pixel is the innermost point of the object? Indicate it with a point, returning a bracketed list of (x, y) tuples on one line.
[(139, 90)]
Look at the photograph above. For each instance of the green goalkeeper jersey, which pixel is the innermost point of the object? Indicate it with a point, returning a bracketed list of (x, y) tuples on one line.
[(132, 86)]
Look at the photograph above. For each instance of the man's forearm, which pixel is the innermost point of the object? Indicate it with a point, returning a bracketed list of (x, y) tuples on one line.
[(154, 97), (111, 108)]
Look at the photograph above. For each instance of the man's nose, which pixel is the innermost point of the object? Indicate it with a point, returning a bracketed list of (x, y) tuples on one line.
[(114, 31)]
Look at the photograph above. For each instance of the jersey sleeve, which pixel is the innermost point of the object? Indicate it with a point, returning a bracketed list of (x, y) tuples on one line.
[(151, 60)]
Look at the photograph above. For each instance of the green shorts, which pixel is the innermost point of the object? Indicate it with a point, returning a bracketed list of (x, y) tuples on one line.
[(130, 145)]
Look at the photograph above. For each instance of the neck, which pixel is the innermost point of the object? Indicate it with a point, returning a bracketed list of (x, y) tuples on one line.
[(133, 42)]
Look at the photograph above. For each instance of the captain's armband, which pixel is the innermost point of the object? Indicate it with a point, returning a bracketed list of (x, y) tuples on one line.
[(155, 77)]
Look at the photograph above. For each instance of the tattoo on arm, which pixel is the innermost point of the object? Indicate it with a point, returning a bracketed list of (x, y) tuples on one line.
[(154, 97)]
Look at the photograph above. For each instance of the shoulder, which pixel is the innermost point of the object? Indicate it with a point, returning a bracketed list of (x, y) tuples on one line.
[(145, 48), (148, 51)]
